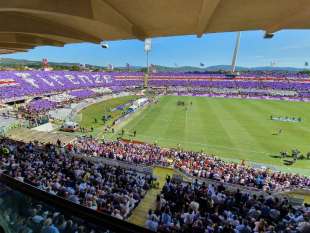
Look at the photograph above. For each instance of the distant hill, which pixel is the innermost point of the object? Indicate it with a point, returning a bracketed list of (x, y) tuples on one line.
[(10, 61), (226, 68), (15, 63), (267, 68)]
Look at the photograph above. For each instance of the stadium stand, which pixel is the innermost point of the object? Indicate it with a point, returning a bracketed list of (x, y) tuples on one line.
[(29, 215), (112, 190), (16, 85), (192, 163), (194, 207), (19, 85), (83, 194), (112, 177), (24, 208)]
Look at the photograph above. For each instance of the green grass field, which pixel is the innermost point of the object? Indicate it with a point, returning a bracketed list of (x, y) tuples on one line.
[(86, 117), (229, 128)]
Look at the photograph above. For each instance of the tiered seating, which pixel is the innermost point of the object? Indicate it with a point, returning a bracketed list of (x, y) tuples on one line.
[(20, 213), (252, 84), (194, 207), (111, 190), (41, 105), (14, 84), (193, 163), (182, 207), (82, 94)]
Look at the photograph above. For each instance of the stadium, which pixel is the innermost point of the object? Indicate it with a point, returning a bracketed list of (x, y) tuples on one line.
[(106, 150)]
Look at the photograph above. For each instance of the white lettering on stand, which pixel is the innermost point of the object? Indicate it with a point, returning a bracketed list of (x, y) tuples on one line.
[(51, 84), (26, 78), (71, 78), (55, 78), (98, 78)]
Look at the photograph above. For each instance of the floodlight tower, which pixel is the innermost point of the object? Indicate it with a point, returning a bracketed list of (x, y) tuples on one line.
[(147, 49), (236, 50)]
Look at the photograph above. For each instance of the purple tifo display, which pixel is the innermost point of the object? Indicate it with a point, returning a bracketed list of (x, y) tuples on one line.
[(19, 84), (14, 84), (82, 94), (41, 105)]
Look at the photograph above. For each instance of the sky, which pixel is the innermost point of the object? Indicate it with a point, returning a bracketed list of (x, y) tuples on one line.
[(286, 48)]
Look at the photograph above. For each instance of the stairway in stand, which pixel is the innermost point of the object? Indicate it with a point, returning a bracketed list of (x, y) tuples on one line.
[(139, 214)]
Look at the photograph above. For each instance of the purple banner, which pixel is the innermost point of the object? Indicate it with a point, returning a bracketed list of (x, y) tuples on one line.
[(26, 83)]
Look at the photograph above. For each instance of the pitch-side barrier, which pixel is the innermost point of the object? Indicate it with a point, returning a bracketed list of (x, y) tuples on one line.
[(230, 186), (119, 163), (147, 169)]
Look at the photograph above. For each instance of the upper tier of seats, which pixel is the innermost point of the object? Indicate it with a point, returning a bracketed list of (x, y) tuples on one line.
[(16, 85)]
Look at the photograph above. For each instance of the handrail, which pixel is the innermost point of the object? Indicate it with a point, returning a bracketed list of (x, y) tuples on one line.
[(229, 185), (141, 168), (242, 187), (99, 219)]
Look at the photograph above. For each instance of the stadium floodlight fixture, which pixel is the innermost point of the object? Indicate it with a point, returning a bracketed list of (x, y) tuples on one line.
[(268, 35), (147, 49), (104, 45), (235, 55), (147, 45)]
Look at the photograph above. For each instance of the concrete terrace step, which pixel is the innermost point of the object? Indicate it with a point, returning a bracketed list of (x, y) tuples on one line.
[(27, 135)]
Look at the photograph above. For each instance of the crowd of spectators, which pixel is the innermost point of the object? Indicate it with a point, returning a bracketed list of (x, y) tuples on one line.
[(42, 106), (22, 214), (193, 163), (236, 92), (37, 83), (37, 111), (201, 208), (111, 190), (181, 207)]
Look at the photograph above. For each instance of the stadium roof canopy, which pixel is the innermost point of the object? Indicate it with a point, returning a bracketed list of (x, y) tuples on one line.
[(25, 24)]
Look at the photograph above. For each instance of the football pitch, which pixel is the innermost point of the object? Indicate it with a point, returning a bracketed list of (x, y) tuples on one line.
[(233, 129)]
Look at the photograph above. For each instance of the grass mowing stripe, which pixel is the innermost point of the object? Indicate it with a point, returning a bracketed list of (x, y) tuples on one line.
[(229, 128), (246, 117), (238, 134), (221, 133)]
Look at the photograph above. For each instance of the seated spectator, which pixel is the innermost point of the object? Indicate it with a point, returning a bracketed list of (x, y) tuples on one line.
[(198, 208), (99, 187), (193, 163)]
